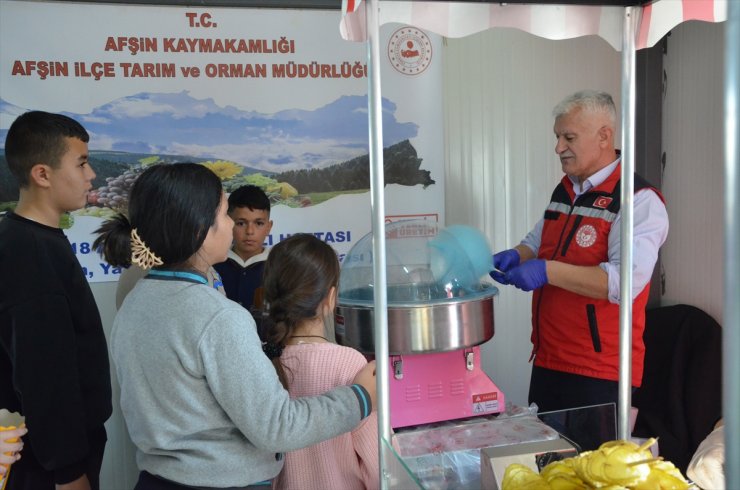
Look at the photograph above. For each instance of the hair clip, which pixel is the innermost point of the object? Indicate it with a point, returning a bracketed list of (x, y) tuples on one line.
[(141, 255)]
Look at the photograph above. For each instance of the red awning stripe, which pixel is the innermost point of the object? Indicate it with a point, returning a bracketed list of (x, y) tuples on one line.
[(349, 6), (456, 19), (661, 16)]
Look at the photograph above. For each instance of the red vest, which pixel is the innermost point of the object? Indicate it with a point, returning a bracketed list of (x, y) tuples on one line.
[(574, 333)]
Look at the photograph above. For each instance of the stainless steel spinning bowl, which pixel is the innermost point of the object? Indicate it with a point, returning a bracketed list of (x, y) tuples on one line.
[(416, 328)]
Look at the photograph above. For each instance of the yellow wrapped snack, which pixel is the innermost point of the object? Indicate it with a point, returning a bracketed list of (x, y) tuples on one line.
[(518, 476), (615, 465), (663, 476), (622, 463), (566, 482), (564, 467)]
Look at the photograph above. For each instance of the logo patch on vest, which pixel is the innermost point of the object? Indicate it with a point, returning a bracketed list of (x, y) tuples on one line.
[(586, 236), (602, 202)]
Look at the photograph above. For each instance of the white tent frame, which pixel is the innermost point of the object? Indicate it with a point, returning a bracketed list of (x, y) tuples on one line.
[(731, 330)]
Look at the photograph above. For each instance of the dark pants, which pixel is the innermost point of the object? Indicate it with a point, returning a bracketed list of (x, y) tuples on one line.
[(147, 481), (556, 390), (561, 398), (27, 474)]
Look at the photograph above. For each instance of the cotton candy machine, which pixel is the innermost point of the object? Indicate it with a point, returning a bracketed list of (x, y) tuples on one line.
[(439, 312)]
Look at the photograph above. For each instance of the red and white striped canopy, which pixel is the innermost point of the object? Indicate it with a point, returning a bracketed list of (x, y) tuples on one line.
[(454, 19)]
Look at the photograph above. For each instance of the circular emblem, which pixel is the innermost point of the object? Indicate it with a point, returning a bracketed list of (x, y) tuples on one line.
[(410, 50), (586, 236)]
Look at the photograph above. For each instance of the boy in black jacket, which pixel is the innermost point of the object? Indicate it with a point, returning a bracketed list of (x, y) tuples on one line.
[(53, 355)]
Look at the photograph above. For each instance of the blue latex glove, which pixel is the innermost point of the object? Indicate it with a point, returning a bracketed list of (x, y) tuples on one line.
[(530, 275), (504, 262)]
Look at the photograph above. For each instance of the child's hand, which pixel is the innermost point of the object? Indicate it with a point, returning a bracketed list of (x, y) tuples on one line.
[(366, 379), (10, 451)]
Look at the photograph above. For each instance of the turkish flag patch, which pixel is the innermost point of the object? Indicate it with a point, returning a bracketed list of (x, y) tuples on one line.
[(602, 202)]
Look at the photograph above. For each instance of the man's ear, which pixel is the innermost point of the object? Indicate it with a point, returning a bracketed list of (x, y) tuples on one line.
[(40, 175), (606, 135)]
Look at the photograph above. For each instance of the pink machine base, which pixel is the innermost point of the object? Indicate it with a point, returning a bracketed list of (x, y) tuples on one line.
[(441, 386)]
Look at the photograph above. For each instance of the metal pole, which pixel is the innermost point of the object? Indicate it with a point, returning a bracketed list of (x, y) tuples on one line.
[(629, 26), (377, 205), (731, 327)]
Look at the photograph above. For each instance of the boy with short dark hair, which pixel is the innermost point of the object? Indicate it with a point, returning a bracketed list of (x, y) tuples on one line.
[(241, 273), (54, 365)]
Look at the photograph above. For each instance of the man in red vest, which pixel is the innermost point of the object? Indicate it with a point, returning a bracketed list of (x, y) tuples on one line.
[(571, 261)]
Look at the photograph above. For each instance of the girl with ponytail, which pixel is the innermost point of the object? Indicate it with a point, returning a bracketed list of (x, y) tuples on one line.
[(300, 289), (202, 403)]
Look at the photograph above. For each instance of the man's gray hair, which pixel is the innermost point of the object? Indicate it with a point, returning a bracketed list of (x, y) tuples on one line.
[(588, 100)]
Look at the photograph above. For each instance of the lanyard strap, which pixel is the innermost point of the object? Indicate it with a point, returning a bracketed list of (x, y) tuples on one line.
[(177, 275)]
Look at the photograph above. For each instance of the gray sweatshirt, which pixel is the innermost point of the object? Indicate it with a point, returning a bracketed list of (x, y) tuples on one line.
[(202, 402)]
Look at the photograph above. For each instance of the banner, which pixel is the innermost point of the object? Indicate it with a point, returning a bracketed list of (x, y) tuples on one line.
[(274, 98)]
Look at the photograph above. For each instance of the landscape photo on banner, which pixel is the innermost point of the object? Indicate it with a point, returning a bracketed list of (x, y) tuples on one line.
[(274, 98)]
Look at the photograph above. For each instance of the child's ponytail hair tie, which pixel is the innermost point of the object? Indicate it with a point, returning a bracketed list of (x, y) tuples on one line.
[(272, 351)]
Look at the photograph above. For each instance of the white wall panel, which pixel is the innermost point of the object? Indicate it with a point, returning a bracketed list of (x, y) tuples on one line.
[(694, 175), (500, 88)]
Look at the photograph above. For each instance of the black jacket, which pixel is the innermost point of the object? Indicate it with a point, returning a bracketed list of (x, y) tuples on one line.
[(54, 365), (680, 399)]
